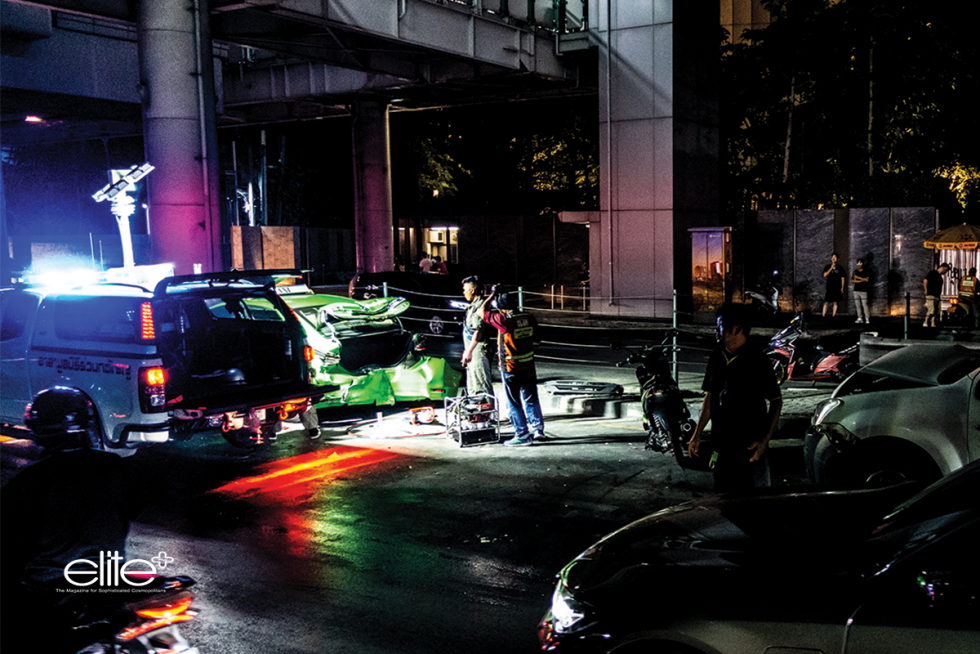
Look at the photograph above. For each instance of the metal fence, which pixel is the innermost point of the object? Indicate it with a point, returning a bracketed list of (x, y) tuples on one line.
[(545, 301)]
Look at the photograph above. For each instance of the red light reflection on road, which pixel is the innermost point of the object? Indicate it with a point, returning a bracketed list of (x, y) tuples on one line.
[(293, 475)]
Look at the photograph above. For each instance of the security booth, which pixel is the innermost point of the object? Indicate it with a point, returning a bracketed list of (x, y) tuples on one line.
[(711, 267)]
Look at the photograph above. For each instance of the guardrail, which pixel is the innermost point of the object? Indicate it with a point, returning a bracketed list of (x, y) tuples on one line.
[(529, 300)]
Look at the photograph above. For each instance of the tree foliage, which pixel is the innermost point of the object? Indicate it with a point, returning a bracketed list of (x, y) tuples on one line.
[(519, 157), (851, 103), (562, 164)]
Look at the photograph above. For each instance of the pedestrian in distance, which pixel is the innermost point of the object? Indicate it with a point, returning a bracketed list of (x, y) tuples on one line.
[(742, 401), (836, 276), (476, 358), (933, 285), (425, 265), (516, 334), (439, 266), (862, 282)]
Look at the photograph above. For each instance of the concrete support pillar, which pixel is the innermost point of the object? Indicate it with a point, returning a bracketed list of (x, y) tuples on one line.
[(373, 227), (179, 135), (659, 149), (6, 262)]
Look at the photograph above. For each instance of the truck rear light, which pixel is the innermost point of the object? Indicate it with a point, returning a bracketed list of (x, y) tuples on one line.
[(156, 376), (308, 353), (153, 389), (147, 330)]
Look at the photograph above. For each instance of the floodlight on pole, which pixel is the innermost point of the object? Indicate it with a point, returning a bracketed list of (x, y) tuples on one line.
[(123, 205)]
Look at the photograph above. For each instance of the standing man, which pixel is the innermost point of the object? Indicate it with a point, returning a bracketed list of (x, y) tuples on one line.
[(515, 346), (425, 265), (835, 276), (933, 285), (475, 357), (862, 281), (738, 383)]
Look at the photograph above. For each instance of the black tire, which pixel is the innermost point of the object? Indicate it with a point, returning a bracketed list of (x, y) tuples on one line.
[(658, 438), (880, 468), (780, 367)]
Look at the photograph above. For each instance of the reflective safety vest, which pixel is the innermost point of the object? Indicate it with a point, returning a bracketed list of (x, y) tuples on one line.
[(516, 345), (968, 286)]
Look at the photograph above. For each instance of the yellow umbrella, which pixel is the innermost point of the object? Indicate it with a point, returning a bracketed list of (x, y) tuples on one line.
[(961, 237)]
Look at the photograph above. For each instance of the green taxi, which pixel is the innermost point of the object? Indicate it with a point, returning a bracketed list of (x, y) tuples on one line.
[(361, 347)]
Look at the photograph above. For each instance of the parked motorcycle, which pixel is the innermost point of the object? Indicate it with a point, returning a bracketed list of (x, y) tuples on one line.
[(666, 416), (797, 356), (147, 625), (766, 297)]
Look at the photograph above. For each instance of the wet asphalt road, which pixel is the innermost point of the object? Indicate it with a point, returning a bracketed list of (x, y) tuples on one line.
[(392, 538)]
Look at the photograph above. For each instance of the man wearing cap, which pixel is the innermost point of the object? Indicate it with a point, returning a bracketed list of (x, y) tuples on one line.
[(515, 345)]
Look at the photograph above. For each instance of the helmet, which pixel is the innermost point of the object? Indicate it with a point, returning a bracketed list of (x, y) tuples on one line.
[(507, 302), (62, 417)]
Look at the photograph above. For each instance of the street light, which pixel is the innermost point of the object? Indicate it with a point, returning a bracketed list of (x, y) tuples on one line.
[(123, 206)]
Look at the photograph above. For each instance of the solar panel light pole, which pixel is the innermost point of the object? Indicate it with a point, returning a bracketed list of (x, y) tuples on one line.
[(123, 205)]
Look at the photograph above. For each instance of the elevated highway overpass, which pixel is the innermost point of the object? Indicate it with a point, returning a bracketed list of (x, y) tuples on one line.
[(99, 68)]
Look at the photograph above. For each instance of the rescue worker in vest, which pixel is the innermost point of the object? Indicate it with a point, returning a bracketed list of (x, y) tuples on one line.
[(968, 290), (515, 346)]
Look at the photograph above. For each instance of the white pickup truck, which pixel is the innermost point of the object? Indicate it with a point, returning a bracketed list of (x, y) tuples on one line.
[(197, 353)]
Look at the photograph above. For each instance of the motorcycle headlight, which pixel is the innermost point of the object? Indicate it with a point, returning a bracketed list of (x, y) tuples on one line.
[(824, 410)]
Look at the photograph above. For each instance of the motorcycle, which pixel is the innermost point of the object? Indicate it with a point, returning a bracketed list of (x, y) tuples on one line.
[(766, 297), (147, 625), (666, 416), (796, 356)]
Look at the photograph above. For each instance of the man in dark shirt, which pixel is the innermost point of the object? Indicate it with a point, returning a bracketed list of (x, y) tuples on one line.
[(738, 383), (933, 285), (835, 276)]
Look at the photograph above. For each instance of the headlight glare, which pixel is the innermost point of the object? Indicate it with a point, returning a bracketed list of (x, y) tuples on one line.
[(568, 614), (824, 409)]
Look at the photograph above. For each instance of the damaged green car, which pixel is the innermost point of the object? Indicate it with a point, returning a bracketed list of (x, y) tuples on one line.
[(361, 347)]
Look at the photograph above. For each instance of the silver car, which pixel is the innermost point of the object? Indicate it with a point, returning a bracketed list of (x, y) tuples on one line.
[(912, 414)]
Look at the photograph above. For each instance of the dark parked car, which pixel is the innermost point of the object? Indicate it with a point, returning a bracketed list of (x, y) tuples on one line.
[(437, 304), (868, 570)]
